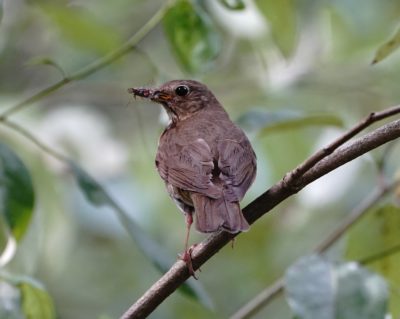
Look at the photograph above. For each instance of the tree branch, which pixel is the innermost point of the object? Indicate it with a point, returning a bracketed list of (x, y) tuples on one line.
[(276, 288), (300, 170), (96, 65), (178, 273)]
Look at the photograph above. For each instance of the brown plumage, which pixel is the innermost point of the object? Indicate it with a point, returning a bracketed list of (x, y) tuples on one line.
[(206, 161)]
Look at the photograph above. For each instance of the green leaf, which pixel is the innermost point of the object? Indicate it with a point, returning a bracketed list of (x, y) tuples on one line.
[(282, 18), (192, 35), (310, 288), (92, 190), (387, 48), (360, 294), (16, 192), (36, 302), (233, 4), (98, 196), (319, 289), (383, 226), (265, 122), (81, 28), (46, 61)]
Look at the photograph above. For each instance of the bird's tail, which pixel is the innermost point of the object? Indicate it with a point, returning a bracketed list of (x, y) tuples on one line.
[(214, 214)]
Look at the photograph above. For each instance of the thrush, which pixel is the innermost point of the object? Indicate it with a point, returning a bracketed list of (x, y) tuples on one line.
[(205, 160)]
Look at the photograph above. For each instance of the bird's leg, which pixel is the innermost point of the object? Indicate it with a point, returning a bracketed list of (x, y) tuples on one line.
[(187, 253)]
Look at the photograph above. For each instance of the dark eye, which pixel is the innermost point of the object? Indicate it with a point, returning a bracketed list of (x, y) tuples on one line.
[(182, 90)]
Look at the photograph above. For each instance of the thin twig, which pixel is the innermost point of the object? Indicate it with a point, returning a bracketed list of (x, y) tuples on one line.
[(276, 288), (24, 132), (178, 273), (300, 170), (96, 65)]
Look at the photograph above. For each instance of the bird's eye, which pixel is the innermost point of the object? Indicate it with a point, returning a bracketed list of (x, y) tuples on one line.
[(182, 90)]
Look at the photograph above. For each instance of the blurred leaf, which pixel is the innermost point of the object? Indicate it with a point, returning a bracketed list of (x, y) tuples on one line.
[(387, 48), (310, 288), (233, 4), (46, 61), (92, 190), (36, 302), (96, 194), (311, 120), (193, 37), (8, 247), (383, 226), (319, 289), (360, 294), (4, 238), (16, 192), (82, 29), (266, 122), (282, 19)]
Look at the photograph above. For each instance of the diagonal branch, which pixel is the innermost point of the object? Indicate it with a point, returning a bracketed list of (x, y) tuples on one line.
[(285, 188), (96, 65), (277, 287), (300, 170)]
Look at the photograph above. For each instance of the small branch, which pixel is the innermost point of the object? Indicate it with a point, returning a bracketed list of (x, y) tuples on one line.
[(260, 206), (276, 288), (300, 170), (261, 300), (96, 65), (374, 197), (18, 128)]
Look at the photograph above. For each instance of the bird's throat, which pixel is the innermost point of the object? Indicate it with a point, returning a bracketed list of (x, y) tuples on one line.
[(173, 116)]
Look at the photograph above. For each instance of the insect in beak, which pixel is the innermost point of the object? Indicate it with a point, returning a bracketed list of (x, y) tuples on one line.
[(142, 92)]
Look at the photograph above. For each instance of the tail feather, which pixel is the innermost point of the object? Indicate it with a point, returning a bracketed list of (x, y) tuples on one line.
[(214, 214)]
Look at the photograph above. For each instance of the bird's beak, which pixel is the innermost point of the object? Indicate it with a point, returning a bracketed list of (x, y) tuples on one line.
[(160, 97), (154, 95)]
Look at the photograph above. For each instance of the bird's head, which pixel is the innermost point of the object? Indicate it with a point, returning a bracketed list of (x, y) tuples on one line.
[(180, 98)]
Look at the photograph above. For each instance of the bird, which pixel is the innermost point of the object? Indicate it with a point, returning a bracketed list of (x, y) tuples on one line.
[(205, 160)]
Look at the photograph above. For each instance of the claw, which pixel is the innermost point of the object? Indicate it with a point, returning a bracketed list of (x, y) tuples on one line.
[(186, 256)]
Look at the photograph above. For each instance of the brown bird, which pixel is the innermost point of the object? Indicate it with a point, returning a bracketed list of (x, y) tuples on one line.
[(206, 161)]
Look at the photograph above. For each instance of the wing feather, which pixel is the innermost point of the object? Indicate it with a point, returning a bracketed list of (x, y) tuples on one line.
[(237, 162), (189, 167)]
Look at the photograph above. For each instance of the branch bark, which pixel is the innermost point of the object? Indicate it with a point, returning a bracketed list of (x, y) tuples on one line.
[(178, 273)]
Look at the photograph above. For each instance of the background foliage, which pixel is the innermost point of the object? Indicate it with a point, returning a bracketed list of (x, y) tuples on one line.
[(86, 226)]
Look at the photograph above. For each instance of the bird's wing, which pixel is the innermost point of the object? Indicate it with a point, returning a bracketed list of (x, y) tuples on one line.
[(188, 167), (237, 162)]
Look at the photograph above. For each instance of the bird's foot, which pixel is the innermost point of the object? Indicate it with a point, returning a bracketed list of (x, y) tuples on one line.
[(186, 256)]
